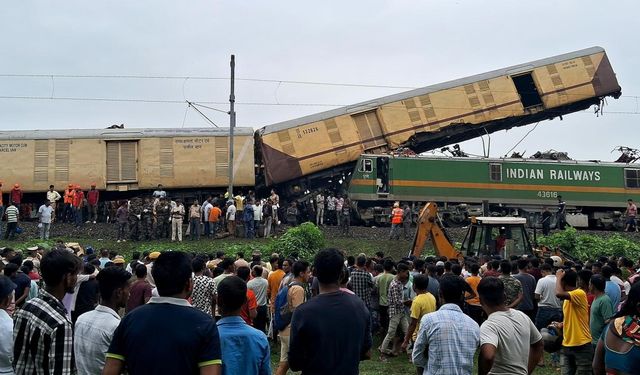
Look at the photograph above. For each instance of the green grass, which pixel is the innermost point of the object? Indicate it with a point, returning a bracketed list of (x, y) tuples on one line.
[(229, 245), (397, 365)]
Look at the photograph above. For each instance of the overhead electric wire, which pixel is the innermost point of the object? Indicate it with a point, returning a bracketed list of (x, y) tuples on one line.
[(267, 80)]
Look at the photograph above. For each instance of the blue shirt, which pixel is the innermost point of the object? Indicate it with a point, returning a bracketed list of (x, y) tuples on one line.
[(245, 349), (451, 339), (613, 291)]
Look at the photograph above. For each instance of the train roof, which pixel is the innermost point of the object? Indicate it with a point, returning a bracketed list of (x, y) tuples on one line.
[(371, 104), (511, 160), (122, 133)]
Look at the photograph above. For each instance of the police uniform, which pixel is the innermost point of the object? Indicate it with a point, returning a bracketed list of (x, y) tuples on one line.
[(135, 211), (163, 211)]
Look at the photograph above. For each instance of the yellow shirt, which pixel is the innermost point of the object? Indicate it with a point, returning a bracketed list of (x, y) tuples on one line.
[(576, 319), (422, 305)]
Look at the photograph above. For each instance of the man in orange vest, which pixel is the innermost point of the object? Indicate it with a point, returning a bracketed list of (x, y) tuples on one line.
[(214, 219), (396, 221), (67, 211)]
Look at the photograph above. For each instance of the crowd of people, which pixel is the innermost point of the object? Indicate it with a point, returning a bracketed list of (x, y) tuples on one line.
[(65, 310), (159, 216)]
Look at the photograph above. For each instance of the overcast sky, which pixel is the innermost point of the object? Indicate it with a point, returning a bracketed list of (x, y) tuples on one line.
[(394, 43)]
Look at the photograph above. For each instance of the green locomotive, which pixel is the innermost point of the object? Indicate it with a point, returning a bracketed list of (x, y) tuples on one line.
[(595, 192)]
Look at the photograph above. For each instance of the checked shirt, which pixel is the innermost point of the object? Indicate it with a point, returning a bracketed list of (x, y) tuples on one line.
[(362, 285), (43, 338)]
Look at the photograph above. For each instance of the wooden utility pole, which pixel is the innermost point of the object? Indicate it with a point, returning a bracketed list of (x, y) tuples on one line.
[(232, 123)]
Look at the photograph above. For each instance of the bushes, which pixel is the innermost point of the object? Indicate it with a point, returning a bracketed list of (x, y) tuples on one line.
[(588, 246), (305, 239)]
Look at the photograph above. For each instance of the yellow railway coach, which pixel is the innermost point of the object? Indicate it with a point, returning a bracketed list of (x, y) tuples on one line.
[(125, 159), (315, 146)]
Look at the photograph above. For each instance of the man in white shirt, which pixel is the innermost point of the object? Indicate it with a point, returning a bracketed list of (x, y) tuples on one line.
[(231, 218), (45, 213), (509, 342), (53, 197), (94, 329), (259, 285), (549, 306), (320, 209), (206, 209)]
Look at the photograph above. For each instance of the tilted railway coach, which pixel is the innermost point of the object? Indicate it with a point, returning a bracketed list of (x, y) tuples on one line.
[(123, 160), (305, 153), (595, 189)]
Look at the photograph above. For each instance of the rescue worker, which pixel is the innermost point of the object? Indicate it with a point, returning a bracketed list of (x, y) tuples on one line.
[(406, 222), (396, 221), (15, 196), (67, 211), (78, 203), (93, 196), (53, 197), (163, 225), (146, 219), (135, 213)]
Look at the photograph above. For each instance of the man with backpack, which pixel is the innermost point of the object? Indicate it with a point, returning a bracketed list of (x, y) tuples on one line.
[(290, 296), (248, 220)]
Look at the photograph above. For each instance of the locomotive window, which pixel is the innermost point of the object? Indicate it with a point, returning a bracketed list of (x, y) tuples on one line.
[(527, 90), (495, 172), (366, 166), (632, 178)]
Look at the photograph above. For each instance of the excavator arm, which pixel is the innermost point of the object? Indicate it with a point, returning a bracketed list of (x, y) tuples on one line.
[(430, 227)]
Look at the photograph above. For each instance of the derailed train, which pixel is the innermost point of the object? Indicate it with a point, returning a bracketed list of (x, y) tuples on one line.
[(309, 153)]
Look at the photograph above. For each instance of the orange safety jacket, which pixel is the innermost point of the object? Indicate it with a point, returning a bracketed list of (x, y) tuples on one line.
[(68, 196), (396, 216)]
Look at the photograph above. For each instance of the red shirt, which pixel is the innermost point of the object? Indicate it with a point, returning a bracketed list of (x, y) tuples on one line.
[(251, 304), (140, 290), (92, 197), (15, 196), (78, 197)]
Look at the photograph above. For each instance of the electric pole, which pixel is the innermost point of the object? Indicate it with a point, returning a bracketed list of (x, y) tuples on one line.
[(232, 123)]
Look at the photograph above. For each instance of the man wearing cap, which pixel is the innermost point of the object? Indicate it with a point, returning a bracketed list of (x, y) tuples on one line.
[(34, 257), (45, 213), (92, 199), (15, 195), (152, 258), (78, 203), (53, 197), (119, 261), (7, 288), (396, 221)]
